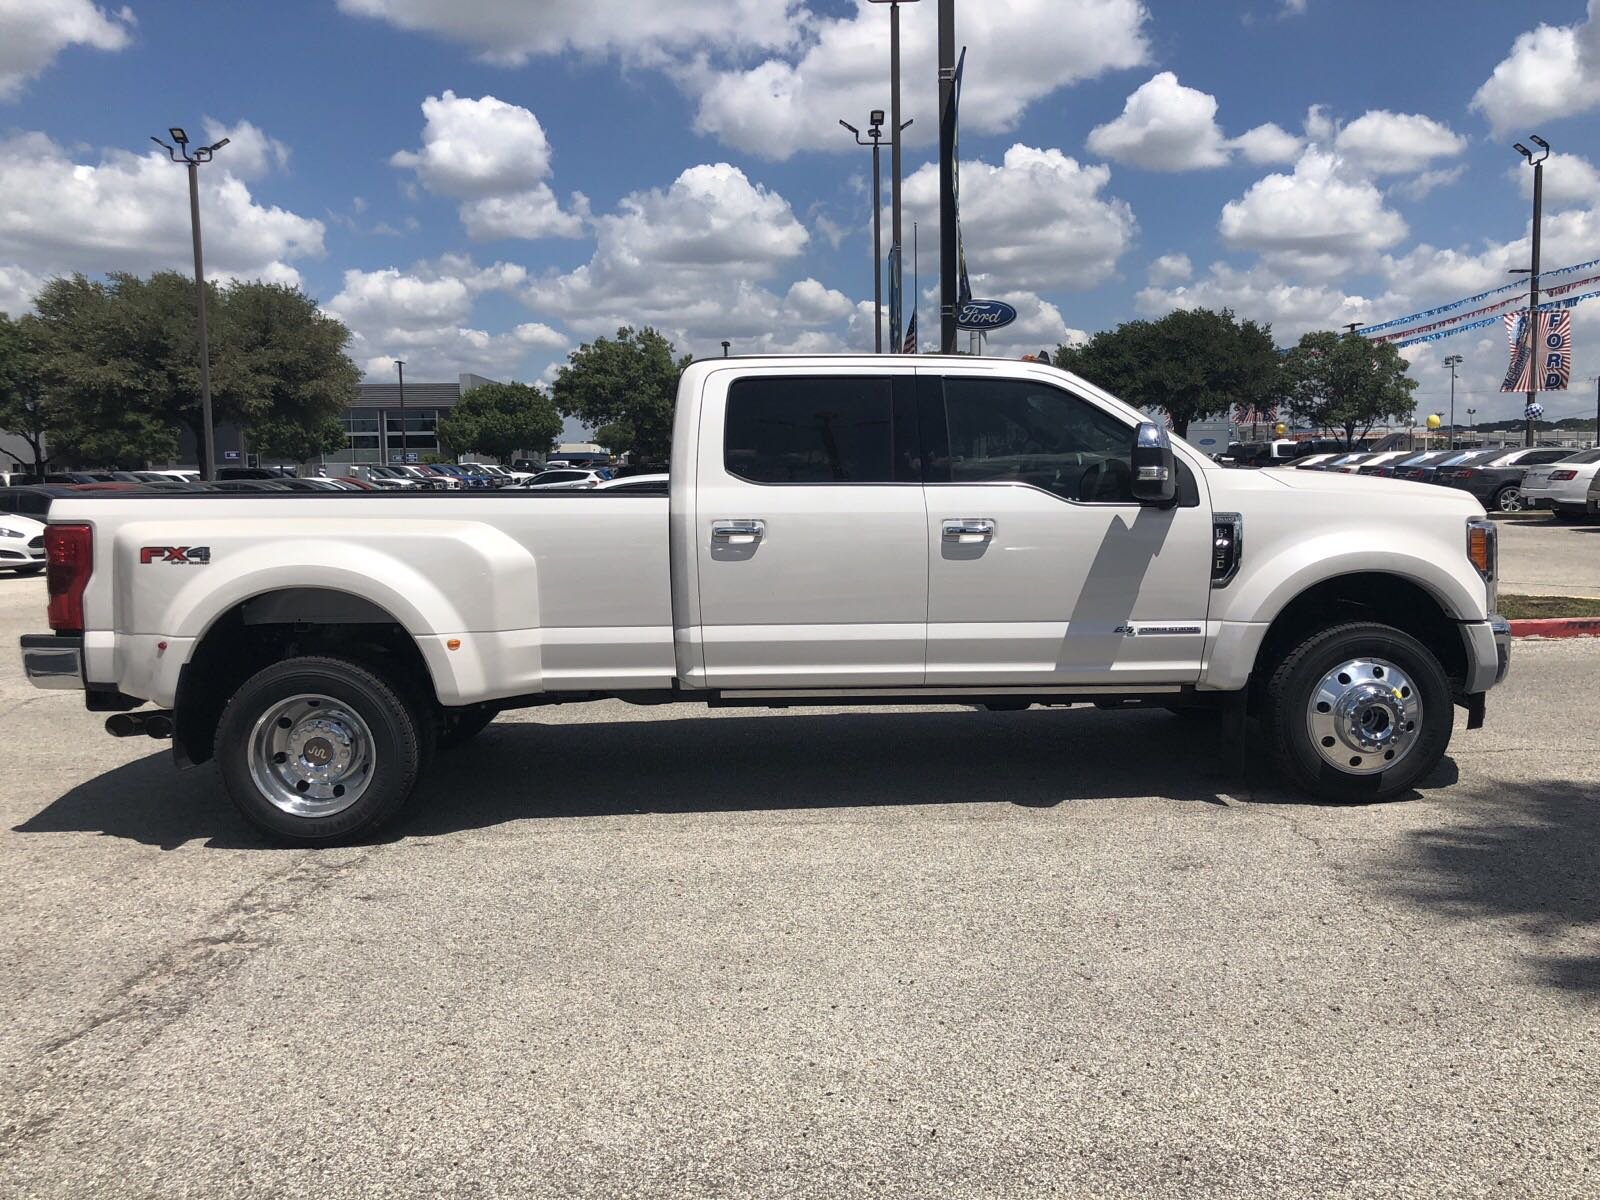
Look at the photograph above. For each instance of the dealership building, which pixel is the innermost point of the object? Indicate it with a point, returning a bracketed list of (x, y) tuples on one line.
[(384, 426)]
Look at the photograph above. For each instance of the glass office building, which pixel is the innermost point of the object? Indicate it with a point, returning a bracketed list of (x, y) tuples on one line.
[(378, 429)]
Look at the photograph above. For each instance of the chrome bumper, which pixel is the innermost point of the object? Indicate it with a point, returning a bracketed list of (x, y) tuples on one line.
[(1488, 652), (54, 663)]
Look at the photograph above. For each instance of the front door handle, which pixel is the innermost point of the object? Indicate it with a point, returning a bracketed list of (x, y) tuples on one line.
[(968, 531), (738, 533)]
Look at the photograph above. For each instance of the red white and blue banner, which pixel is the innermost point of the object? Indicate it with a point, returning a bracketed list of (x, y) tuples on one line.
[(1543, 364), (1502, 290)]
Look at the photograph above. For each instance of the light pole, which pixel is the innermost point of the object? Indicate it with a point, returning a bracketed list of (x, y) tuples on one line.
[(405, 442), (1454, 361), (726, 346), (875, 133), (1472, 426), (947, 177), (1533, 278), (896, 239), (193, 160)]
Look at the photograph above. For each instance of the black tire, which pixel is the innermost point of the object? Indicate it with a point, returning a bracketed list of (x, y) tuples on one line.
[(1290, 691), (1511, 493), (396, 748), (459, 726)]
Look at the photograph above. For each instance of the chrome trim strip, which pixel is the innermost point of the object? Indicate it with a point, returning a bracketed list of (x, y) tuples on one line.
[(930, 693)]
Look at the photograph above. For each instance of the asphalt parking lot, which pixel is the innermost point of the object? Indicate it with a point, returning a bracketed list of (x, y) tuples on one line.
[(1544, 557), (618, 951)]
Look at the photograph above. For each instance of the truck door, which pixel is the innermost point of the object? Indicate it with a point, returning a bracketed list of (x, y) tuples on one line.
[(1042, 567), (810, 529)]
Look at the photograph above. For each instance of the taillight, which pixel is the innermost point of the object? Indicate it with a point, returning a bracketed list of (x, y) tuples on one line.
[(1464, 473), (1554, 475), (69, 555)]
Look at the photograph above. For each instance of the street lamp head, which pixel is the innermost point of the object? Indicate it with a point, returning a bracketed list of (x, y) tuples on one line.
[(178, 135), (850, 127), (1539, 141), (877, 118), (219, 145), (1523, 150)]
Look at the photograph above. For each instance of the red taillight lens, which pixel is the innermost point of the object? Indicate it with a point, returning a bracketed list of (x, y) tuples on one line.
[(1563, 475), (69, 555), (1465, 473)]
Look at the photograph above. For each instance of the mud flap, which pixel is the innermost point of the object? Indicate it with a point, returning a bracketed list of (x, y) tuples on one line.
[(1475, 705)]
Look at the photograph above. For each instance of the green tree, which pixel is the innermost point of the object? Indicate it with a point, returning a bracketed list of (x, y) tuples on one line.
[(23, 411), (498, 419), (122, 370), (625, 388), (1346, 383), (295, 378), (1191, 364)]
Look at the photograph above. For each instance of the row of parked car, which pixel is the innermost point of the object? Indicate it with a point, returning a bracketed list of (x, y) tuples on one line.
[(1504, 478)]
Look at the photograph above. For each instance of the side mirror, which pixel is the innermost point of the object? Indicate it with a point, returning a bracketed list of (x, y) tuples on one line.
[(1155, 475)]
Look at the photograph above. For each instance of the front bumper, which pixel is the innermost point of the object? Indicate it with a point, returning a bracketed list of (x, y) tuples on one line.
[(54, 663), (1488, 646)]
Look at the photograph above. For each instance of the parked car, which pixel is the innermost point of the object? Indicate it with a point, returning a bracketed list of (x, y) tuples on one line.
[(1594, 496), (1362, 461), (1562, 487), (249, 473), (655, 485), (1393, 467), (1313, 462), (1422, 470), (799, 558), (1495, 477), (567, 477), (21, 544)]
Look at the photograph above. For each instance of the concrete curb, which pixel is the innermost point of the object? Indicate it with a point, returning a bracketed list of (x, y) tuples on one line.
[(1557, 627)]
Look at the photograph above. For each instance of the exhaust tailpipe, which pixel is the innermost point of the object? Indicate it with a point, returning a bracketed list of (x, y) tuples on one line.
[(132, 724)]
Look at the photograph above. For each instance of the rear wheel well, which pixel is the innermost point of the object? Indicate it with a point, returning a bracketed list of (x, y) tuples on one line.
[(1364, 596), (289, 623)]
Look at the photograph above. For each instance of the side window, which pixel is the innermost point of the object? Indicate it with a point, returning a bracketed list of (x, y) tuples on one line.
[(1018, 431), (825, 429)]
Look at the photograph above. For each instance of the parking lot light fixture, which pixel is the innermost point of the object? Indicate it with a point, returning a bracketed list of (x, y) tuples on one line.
[(203, 154), (1453, 361), (874, 139)]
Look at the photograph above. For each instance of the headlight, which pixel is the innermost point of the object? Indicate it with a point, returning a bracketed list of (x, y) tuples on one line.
[(4, 532)]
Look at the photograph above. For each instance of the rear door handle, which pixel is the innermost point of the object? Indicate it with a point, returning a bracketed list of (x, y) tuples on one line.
[(968, 531), (738, 533)]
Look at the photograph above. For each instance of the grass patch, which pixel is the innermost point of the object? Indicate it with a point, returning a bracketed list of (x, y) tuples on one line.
[(1529, 608)]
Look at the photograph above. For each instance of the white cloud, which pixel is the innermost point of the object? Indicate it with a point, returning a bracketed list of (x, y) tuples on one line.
[(1261, 295), (1164, 126), (1268, 143), (131, 213), (1037, 220), (1317, 220), (1552, 71), (1568, 179), (1419, 186), (250, 153), (510, 32), (1388, 143), (1170, 268), (425, 315), (17, 289), (691, 260), (814, 303), (494, 158), (1017, 52), (33, 32)]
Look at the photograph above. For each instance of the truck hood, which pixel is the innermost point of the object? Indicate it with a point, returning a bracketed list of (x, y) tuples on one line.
[(1365, 489)]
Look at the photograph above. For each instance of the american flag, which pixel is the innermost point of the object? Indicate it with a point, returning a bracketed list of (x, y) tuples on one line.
[(1549, 367), (910, 346)]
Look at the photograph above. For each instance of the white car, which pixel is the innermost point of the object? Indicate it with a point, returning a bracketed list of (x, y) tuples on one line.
[(565, 477), (21, 544), (651, 484), (1562, 486)]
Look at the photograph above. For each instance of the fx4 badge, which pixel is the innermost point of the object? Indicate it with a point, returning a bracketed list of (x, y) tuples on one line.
[(190, 555)]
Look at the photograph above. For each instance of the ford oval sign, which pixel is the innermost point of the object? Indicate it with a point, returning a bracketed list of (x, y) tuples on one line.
[(985, 314)]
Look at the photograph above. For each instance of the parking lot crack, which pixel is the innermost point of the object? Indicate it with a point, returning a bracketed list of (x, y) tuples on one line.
[(150, 1001)]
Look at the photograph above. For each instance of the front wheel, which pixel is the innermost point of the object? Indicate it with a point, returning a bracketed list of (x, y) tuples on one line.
[(317, 751), (1509, 499), (1358, 712)]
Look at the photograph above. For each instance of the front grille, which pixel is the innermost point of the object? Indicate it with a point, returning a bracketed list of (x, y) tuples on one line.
[(37, 543)]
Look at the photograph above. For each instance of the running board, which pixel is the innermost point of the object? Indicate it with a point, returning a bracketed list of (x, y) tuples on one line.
[(940, 695)]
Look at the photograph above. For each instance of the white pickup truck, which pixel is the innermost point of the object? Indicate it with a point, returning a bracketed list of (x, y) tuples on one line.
[(836, 530)]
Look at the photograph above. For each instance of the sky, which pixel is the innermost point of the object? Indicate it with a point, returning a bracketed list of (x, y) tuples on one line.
[(482, 185)]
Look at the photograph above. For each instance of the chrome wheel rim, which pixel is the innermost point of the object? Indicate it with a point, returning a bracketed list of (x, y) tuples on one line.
[(1511, 500), (1364, 716), (311, 755)]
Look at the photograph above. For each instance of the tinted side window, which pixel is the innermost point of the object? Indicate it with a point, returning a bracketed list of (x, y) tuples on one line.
[(1018, 431), (817, 430), (1545, 456)]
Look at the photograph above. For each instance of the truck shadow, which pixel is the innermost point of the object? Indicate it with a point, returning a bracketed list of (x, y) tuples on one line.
[(1528, 855), (520, 770)]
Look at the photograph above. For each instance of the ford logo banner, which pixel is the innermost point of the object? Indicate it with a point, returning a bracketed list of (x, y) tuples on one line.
[(985, 314)]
